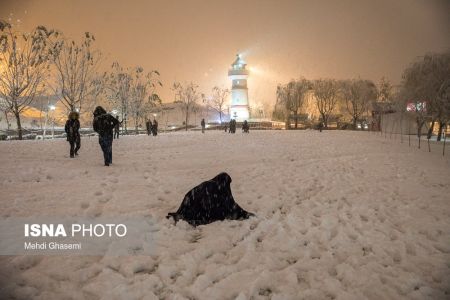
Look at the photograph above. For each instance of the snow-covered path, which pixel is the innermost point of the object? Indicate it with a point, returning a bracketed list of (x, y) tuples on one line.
[(340, 215)]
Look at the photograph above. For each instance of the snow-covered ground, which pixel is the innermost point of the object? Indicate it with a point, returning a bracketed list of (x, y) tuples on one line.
[(340, 215)]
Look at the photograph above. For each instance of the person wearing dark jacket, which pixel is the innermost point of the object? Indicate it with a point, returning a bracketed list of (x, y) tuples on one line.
[(320, 126), (72, 128), (148, 126), (104, 124), (155, 127), (245, 127), (232, 126), (202, 123)]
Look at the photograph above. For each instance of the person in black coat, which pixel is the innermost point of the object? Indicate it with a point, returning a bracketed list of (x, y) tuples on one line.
[(203, 124), (104, 124), (245, 127), (155, 127), (148, 126), (320, 126), (233, 126), (210, 201), (72, 128)]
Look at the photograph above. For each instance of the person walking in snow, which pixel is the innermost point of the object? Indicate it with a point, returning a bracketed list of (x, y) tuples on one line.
[(245, 127), (203, 125), (232, 126), (320, 126), (104, 124), (72, 128), (148, 126), (155, 127)]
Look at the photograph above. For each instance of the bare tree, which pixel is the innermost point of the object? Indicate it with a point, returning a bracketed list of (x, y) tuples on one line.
[(384, 90), (327, 93), (358, 94), (24, 65), (4, 108), (143, 93), (384, 100), (292, 96), (424, 83), (75, 69), (118, 91), (188, 96), (281, 112), (219, 99)]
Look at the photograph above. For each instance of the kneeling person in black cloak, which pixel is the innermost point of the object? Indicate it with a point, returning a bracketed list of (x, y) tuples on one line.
[(104, 124), (210, 201), (72, 128)]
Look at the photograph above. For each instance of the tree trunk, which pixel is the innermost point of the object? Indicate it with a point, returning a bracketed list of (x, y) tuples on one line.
[(379, 123), (296, 120), (19, 125), (187, 118), (325, 121), (287, 124), (430, 130), (8, 124), (136, 123), (419, 128), (441, 127), (125, 124), (419, 131), (354, 123)]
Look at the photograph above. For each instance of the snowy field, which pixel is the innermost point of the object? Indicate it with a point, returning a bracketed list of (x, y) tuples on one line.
[(340, 215)]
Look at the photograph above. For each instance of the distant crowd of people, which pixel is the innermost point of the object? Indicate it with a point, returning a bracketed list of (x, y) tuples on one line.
[(231, 126), (152, 128)]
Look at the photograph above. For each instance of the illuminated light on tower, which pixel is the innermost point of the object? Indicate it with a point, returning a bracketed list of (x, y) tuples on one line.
[(239, 108)]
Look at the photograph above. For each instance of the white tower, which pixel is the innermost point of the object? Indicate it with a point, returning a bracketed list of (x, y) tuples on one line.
[(239, 92)]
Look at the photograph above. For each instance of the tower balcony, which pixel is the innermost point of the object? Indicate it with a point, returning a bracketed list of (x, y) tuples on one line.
[(238, 72), (239, 86)]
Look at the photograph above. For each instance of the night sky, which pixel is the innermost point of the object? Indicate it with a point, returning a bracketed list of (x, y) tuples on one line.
[(198, 40)]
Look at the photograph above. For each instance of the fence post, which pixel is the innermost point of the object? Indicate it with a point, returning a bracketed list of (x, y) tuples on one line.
[(401, 129), (409, 134), (445, 137)]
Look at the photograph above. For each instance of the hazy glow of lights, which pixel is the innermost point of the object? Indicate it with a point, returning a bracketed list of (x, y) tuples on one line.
[(52, 107), (256, 70)]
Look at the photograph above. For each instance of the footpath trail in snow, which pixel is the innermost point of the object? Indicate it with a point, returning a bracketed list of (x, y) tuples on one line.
[(340, 215)]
